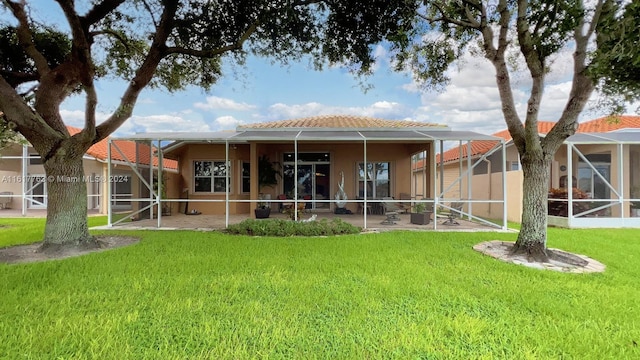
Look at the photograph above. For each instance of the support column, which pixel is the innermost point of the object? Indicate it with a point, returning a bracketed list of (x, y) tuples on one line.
[(25, 166), (254, 186), (504, 185), (109, 210)]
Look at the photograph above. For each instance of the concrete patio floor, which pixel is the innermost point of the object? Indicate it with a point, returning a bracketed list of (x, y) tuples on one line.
[(217, 222)]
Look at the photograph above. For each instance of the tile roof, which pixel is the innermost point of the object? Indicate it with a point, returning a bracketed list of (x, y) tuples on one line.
[(603, 124), (128, 148), (340, 121)]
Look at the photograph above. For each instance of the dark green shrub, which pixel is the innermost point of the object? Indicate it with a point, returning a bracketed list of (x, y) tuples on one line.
[(281, 227)]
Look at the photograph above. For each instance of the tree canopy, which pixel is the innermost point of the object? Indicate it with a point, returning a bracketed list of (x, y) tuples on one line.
[(162, 43), (530, 35)]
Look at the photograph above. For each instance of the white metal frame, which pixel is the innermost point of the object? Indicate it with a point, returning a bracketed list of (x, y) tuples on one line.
[(226, 140)]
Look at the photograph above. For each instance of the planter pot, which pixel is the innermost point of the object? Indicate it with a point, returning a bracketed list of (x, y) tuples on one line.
[(421, 218), (262, 213)]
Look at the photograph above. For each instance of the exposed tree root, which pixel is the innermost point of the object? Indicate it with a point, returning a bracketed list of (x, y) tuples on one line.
[(534, 252), (84, 244)]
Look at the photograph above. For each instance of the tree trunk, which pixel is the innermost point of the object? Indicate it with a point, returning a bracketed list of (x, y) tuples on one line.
[(532, 239), (66, 205)]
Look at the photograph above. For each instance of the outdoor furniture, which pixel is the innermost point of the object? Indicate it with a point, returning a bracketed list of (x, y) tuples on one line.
[(308, 204), (391, 211), (281, 205), (454, 212), (5, 199)]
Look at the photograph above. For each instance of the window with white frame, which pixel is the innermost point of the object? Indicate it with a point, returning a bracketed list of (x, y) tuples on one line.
[(246, 177), (378, 179), (210, 176)]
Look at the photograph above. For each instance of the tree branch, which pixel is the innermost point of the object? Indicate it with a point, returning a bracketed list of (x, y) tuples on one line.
[(144, 74), (16, 111), (115, 34), (582, 86), (503, 80), (445, 19), (25, 37), (215, 52), (99, 11)]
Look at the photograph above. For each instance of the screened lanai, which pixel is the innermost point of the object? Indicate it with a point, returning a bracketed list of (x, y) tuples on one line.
[(373, 164), (603, 169)]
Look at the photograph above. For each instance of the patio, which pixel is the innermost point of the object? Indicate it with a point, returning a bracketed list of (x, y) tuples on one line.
[(374, 222)]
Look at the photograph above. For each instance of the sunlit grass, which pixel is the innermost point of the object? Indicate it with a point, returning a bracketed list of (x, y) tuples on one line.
[(404, 295)]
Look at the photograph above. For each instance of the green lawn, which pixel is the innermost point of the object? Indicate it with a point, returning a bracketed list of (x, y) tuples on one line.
[(404, 295)]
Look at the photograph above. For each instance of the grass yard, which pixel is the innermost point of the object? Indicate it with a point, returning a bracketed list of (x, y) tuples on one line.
[(404, 295)]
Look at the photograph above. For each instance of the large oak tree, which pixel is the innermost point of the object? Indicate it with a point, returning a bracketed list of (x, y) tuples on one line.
[(602, 35), (166, 43)]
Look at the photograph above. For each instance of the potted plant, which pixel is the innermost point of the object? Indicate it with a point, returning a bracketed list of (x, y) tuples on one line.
[(268, 175), (420, 216)]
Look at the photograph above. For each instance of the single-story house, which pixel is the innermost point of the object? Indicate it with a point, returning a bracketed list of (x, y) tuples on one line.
[(23, 185), (331, 163), (601, 161)]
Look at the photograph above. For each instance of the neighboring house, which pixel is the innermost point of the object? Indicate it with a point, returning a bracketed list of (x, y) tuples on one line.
[(326, 149), (23, 185), (604, 166)]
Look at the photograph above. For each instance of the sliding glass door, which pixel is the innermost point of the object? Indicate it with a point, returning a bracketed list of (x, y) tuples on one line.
[(313, 181)]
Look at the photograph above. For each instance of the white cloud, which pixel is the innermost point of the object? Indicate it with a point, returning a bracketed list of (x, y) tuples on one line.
[(162, 123), (382, 109), (75, 118), (228, 122), (137, 123), (218, 103)]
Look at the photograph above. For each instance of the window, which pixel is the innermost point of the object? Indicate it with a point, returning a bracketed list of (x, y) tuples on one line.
[(35, 159), (592, 183), (378, 180), (515, 166), (210, 176), (246, 177)]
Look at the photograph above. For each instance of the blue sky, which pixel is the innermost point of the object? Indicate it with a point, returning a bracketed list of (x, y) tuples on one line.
[(262, 91)]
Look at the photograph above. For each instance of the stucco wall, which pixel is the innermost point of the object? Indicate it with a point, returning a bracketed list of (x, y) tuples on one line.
[(344, 157)]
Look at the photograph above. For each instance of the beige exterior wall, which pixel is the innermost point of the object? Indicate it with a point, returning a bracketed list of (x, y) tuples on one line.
[(95, 170), (486, 187), (344, 157), (489, 187)]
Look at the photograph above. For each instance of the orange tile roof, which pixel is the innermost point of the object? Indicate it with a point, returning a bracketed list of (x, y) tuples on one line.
[(603, 124), (339, 121), (128, 148), (608, 124)]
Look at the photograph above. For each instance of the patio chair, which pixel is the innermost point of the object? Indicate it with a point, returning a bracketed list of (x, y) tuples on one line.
[(308, 204), (281, 205), (5, 199), (391, 211), (454, 212)]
